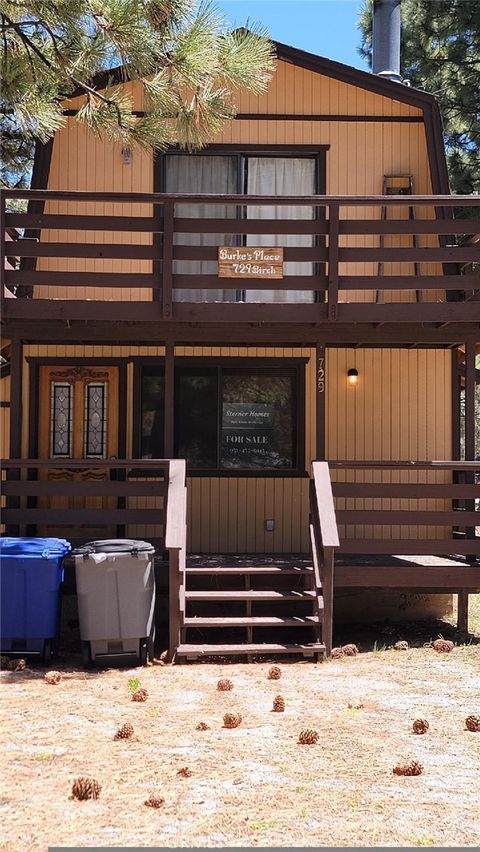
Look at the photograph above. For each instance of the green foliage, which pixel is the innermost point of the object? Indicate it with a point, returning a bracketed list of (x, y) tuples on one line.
[(187, 63), (133, 684), (441, 54)]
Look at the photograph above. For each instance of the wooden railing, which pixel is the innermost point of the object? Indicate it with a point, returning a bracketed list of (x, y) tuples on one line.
[(71, 498), (176, 544), (324, 541), (350, 242), (449, 530)]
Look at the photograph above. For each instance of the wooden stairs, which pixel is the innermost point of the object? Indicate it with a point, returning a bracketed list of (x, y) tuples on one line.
[(256, 605), (229, 606)]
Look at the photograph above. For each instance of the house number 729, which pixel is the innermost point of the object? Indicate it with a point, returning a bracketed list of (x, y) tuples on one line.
[(321, 375)]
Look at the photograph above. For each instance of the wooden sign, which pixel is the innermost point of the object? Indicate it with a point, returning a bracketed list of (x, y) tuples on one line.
[(250, 262)]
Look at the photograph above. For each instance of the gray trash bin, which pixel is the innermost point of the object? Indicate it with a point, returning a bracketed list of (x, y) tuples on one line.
[(116, 600)]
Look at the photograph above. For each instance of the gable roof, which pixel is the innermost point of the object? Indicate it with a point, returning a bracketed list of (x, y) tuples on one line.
[(353, 76), (363, 80)]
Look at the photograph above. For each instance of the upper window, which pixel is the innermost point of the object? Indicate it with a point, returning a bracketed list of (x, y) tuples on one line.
[(240, 418), (248, 174)]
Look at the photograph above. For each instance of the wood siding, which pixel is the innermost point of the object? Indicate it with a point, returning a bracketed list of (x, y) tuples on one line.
[(400, 409), (360, 153)]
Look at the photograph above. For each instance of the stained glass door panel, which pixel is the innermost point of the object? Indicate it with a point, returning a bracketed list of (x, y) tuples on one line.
[(78, 419)]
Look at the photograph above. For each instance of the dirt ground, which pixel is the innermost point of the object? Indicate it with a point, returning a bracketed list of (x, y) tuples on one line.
[(254, 785)]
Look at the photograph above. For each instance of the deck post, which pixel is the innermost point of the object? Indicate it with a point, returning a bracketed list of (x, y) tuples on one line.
[(462, 611), (169, 400), (320, 403), (327, 590), (470, 388), (3, 237), (174, 619), (16, 375)]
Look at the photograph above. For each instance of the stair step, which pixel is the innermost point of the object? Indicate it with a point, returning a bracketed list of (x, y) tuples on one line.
[(249, 595), (252, 621), (194, 651), (231, 570)]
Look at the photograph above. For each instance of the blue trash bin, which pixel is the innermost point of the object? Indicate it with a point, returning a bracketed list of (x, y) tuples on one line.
[(31, 575)]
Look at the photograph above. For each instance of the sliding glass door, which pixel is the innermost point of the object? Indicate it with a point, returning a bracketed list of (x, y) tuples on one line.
[(281, 176), (247, 174)]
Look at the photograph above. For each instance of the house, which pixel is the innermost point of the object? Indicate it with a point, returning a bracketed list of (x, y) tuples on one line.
[(171, 308)]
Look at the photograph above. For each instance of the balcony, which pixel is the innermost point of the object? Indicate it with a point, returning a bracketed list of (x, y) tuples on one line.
[(138, 257)]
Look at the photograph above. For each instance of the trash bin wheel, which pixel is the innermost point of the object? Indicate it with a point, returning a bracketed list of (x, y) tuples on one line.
[(48, 650), (86, 654)]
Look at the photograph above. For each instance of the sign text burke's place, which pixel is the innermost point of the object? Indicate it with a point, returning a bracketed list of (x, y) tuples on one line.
[(250, 262)]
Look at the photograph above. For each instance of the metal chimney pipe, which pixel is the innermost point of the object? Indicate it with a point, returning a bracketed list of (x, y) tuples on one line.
[(386, 39)]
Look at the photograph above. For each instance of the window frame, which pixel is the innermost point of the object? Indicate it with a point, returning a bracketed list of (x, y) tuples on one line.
[(274, 366)]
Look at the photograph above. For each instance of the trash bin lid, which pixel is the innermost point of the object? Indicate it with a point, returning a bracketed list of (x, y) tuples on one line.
[(114, 545), (43, 547)]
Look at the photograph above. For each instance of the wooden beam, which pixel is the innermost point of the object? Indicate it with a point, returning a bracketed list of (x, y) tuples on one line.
[(234, 313), (168, 211), (333, 257), (320, 390), (462, 611), (16, 375), (16, 362), (470, 386), (455, 403), (169, 400)]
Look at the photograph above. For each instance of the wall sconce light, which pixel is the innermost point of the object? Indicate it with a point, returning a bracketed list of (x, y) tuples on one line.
[(126, 156), (352, 376)]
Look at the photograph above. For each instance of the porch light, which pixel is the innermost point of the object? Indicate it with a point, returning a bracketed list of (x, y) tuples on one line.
[(352, 376), (126, 156)]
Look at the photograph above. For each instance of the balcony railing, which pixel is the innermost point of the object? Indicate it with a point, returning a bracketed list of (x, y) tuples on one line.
[(393, 258)]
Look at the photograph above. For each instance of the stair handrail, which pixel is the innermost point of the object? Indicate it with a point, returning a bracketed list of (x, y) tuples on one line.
[(176, 545), (324, 540)]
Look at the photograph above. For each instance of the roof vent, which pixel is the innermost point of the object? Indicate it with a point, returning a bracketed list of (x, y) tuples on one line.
[(386, 39)]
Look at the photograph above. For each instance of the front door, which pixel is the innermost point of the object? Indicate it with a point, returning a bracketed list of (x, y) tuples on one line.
[(78, 419)]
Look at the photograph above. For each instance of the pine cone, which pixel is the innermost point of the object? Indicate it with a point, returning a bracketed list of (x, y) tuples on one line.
[(202, 726), (86, 788), (412, 767), (420, 726), (355, 704), (443, 645), (278, 704), (53, 677), (275, 673), (184, 772), (472, 723), (5, 662), (337, 653), (308, 737), (224, 685), (125, 732), (350, 650), (402, 645), (140, 695), (232, 720), (154, 801), (17, 665)]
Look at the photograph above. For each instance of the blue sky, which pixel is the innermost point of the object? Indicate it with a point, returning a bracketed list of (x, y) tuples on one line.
[(326, 27)]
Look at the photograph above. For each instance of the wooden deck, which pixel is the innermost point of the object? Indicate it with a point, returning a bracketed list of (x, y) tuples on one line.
[(349, 243)]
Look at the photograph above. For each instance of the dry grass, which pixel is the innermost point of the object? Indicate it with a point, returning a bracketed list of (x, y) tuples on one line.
[(254, 785)]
